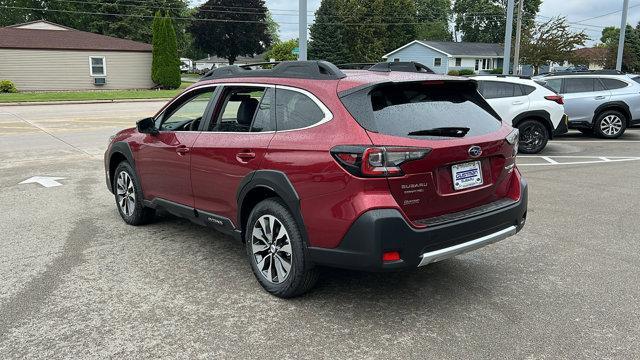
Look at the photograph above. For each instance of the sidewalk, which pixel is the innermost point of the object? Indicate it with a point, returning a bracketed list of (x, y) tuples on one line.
[(71, 102)]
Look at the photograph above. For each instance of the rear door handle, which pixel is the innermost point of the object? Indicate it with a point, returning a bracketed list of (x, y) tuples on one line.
[(599, 97), (517, 103), (182, 150), (246, 155)]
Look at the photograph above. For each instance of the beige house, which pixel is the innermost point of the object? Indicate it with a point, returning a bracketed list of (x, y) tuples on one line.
[(44, 56)]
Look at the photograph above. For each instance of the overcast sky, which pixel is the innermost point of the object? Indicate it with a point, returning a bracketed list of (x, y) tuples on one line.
[(285, 12)]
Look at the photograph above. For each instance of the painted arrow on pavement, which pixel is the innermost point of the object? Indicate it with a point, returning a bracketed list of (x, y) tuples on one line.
[(46, 181)]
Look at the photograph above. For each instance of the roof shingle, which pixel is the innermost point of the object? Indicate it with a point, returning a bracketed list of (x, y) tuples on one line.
[(16, 38)]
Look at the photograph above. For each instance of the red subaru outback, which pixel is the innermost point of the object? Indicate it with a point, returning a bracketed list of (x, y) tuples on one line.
[(311, 165)]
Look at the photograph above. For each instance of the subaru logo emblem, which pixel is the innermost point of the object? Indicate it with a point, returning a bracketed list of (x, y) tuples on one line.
[(475, 151)]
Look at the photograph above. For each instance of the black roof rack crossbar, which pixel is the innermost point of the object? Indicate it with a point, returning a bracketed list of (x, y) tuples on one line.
[(589, 72), (525, 77), (402, 66), (355, 66), (316, 70)]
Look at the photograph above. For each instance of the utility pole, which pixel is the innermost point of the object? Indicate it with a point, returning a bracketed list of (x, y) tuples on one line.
[(623, 29), (516, 51), (302, 29), (507, 38)]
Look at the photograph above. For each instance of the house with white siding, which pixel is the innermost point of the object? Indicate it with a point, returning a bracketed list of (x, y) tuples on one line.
[(41, 55), (444, 56)]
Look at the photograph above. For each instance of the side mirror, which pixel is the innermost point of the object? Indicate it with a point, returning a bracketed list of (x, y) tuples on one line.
[(147, 126)]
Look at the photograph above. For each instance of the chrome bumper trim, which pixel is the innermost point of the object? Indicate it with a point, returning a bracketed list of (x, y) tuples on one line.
[(452, 251)]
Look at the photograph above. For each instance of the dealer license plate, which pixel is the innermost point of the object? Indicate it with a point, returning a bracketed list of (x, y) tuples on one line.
[(466, 175)]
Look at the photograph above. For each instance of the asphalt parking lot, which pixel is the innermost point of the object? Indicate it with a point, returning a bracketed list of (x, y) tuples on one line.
[(76, 282)]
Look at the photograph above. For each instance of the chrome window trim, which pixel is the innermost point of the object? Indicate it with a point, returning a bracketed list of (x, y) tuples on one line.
[(328, 115)]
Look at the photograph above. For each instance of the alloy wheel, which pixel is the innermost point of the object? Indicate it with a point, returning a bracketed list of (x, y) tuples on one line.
[(271, 247), (611, 125), (531, 137), (125, 193)]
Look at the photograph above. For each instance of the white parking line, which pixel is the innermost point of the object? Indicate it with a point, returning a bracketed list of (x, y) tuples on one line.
[(557, 160), (596, 141)]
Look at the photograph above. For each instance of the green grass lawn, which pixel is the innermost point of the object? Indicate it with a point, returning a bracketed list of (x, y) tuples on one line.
[(90, 95)]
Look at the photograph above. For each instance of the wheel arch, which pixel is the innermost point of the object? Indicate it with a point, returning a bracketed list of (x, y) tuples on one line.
[(119, 152), (263, 184), (619, 106), (540, 115)]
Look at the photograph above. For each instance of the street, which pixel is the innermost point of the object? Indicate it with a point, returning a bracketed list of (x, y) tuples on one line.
[(77, 282)]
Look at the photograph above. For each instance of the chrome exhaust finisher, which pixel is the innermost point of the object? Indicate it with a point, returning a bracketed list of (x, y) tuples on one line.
[(437, 255)]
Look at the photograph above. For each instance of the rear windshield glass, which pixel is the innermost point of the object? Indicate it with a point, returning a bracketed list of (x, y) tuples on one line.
[(422, 110)]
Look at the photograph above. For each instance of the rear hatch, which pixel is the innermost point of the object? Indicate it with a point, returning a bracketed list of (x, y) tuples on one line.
[(462, 159)]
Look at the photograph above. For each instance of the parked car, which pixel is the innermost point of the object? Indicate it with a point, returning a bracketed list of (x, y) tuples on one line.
[(310, 165), (535, 110), (603, 103)]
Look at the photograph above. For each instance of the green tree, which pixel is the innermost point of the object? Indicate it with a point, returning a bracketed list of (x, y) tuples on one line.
[(551, 41), (231, 34), (326, 34), (165, 65), (433, 16), (158, 46), (631, 51), (273, 28), (282, 51), (484, 20)]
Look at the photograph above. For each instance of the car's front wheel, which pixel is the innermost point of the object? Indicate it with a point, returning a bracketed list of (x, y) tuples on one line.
[(277, 253), (610, 124), (533, 136), (128, 194)]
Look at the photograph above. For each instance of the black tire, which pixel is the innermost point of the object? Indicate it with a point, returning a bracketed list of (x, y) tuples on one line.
[(587, 132), (610, 124), (533, 136), (133, 212), (302, 274)]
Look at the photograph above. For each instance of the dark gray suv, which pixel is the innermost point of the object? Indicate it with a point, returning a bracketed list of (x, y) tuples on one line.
[(603, 103)]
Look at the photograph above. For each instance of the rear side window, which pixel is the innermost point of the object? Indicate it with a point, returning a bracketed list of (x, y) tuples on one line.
[(526, 89), (407, 109), (612, 84), (496, 89), (554, 85), (636, 79), (578, 85), (295, 110)]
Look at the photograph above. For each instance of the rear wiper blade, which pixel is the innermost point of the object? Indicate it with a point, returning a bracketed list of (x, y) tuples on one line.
[(442, 131)]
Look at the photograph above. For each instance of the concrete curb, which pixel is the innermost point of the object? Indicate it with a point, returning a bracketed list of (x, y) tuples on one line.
[(71, 102)]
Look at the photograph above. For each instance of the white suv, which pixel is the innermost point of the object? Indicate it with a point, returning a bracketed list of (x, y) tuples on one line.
[(536, 111)]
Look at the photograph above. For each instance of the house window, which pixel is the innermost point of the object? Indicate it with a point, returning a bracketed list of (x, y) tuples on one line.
[(477, 64), (484, 64), (437, 62), (458, 61), (97, 66)]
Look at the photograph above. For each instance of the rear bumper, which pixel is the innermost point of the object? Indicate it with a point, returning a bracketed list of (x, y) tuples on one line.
[(381, 230), (562, 127)]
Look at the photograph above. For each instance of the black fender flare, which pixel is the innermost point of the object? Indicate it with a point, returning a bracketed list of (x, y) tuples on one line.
[(277, 182), (540, 114), (613, 105), (122, 148)]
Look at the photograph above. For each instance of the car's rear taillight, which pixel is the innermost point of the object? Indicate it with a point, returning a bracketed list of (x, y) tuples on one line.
[(376, 161), (556, 98)]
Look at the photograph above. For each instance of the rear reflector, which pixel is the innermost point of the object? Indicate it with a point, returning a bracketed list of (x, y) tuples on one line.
[(556, 98), (391, 256)]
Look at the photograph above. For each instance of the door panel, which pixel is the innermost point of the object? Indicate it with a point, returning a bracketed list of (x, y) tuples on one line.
[(235, 146), (582, 96), (163, 164), (163, 160), (507, 99)]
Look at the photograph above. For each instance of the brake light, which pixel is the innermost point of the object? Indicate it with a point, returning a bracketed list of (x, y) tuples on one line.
[(556, 98), (363, 161)]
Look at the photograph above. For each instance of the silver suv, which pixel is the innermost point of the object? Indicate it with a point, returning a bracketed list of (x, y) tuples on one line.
[(603, 103)]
